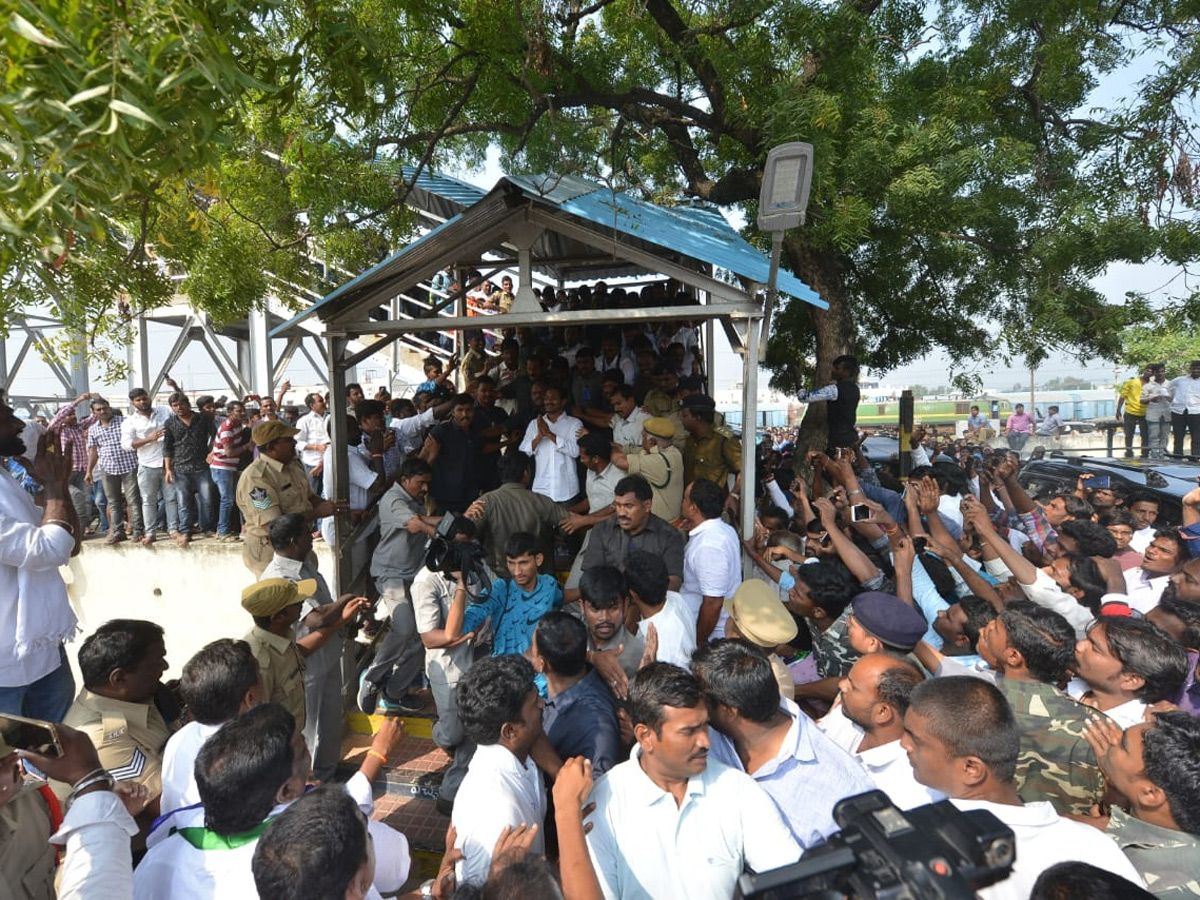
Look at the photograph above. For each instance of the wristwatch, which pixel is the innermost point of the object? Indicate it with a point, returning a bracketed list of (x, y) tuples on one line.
[(427, 889)]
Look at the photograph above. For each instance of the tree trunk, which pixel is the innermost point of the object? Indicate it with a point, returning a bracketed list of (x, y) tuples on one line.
[(833, 329)]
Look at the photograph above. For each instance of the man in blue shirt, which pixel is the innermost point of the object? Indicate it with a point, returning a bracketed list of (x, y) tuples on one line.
[(580, 716), (754, 730), (514, 605)]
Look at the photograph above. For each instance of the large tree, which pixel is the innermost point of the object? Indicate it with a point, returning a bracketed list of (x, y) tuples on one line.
[(975, 167)]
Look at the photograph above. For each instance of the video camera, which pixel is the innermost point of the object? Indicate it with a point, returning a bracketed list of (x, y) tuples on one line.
[(935, 851), (447, 555)]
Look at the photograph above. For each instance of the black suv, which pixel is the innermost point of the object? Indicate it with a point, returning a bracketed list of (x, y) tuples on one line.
[(1165, 480)]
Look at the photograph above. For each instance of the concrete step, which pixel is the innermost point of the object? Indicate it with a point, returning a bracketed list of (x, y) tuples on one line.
[(406, 794)]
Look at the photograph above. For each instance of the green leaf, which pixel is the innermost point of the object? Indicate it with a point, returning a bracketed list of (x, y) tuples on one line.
[(30, 32), (90, 94), (42, 201), (120, 106)]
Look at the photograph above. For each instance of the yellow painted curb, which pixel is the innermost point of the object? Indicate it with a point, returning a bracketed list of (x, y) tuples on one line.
[(414, 726)]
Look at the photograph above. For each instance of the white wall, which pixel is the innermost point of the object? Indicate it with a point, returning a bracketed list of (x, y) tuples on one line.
[(194, 594)]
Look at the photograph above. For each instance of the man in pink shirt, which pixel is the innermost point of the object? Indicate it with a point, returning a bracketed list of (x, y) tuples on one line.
[(1019, 427)]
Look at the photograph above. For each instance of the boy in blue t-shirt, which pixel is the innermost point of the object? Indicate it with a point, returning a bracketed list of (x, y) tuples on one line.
[(514, 605)]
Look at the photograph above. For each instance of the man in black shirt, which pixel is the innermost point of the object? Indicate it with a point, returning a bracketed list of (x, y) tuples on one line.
[(455, 449), (842, 397), (187, 440)]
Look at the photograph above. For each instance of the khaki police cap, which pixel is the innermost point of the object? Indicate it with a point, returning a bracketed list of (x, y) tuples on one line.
[(265, 432), (659, 427), (760, 615), (267, 597)]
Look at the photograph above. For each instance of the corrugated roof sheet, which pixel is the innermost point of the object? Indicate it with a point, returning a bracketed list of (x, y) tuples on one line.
[(692, 231)]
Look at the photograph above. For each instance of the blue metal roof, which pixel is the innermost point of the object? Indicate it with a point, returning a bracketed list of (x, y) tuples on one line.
[(696, 233), (692, 231)]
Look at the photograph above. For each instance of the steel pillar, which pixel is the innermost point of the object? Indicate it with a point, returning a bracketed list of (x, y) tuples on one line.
[(749, 432), (261, 369)]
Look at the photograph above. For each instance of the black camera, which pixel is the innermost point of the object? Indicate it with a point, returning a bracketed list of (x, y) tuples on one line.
[(935, 851), (447, 555)]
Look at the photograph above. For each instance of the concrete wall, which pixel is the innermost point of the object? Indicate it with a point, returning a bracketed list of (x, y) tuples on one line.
[(194, 594)]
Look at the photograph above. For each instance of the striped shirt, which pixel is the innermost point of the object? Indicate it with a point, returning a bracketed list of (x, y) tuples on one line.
[(230, 444), (75, 435), (114, 459)]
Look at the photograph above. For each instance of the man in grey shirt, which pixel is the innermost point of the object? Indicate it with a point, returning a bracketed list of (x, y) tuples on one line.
[(404, 533), (635, 527)]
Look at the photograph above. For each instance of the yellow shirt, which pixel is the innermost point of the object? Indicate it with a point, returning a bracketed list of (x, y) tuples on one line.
[(1131, 390)]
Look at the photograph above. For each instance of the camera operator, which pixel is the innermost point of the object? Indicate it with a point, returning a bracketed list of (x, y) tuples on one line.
[(447, 659), (404, 533)]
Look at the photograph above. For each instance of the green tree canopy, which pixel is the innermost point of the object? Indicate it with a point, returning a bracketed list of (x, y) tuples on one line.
[(967, 176)]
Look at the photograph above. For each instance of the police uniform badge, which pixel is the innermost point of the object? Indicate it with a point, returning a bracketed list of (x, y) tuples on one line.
[(260, 498)]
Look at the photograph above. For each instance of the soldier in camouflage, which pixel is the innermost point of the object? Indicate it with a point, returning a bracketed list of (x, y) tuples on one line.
[(1155, 767), (1030, 648)]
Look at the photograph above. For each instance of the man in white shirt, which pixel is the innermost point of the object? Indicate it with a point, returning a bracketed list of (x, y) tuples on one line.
[(1185, 408), (962, 739), (875, 695), (1125, 664), (1162, 558), (313, 439), (600, 484), (366, 476), (205, 852), (1144, 508), (500, 710), (142, 431), (219, 683), (35, 616), (712, 559), (291, 541), (446, 661), (670, 822), (550, 440), (663, 612), (611, 357)]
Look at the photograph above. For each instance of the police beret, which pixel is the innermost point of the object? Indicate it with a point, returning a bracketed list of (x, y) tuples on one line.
[(267, 597), (699, 401), (760, 615), (659, 427), (889, 619), (265, 432), (663, 367)]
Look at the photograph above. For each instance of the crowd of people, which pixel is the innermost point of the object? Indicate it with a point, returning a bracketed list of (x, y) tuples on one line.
[(544, 540)]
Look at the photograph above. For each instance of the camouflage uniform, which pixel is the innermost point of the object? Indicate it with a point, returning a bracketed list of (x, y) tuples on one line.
[(835, 657), (1056, 762), (1168, 860)]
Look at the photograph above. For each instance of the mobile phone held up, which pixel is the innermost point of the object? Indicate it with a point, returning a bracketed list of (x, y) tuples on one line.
[(1099, 483), (33, 735), (860, 513)]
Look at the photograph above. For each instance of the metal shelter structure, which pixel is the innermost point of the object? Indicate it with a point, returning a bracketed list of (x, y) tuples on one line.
[(569, 229)]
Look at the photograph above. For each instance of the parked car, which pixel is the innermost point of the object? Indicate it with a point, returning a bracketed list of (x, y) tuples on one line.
[(1166, 481)]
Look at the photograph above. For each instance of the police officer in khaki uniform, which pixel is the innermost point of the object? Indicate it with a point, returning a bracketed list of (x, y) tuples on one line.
[(710, 452), (276, 605), (26, 855), (272, 485), (122, 664), (660, 463)]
